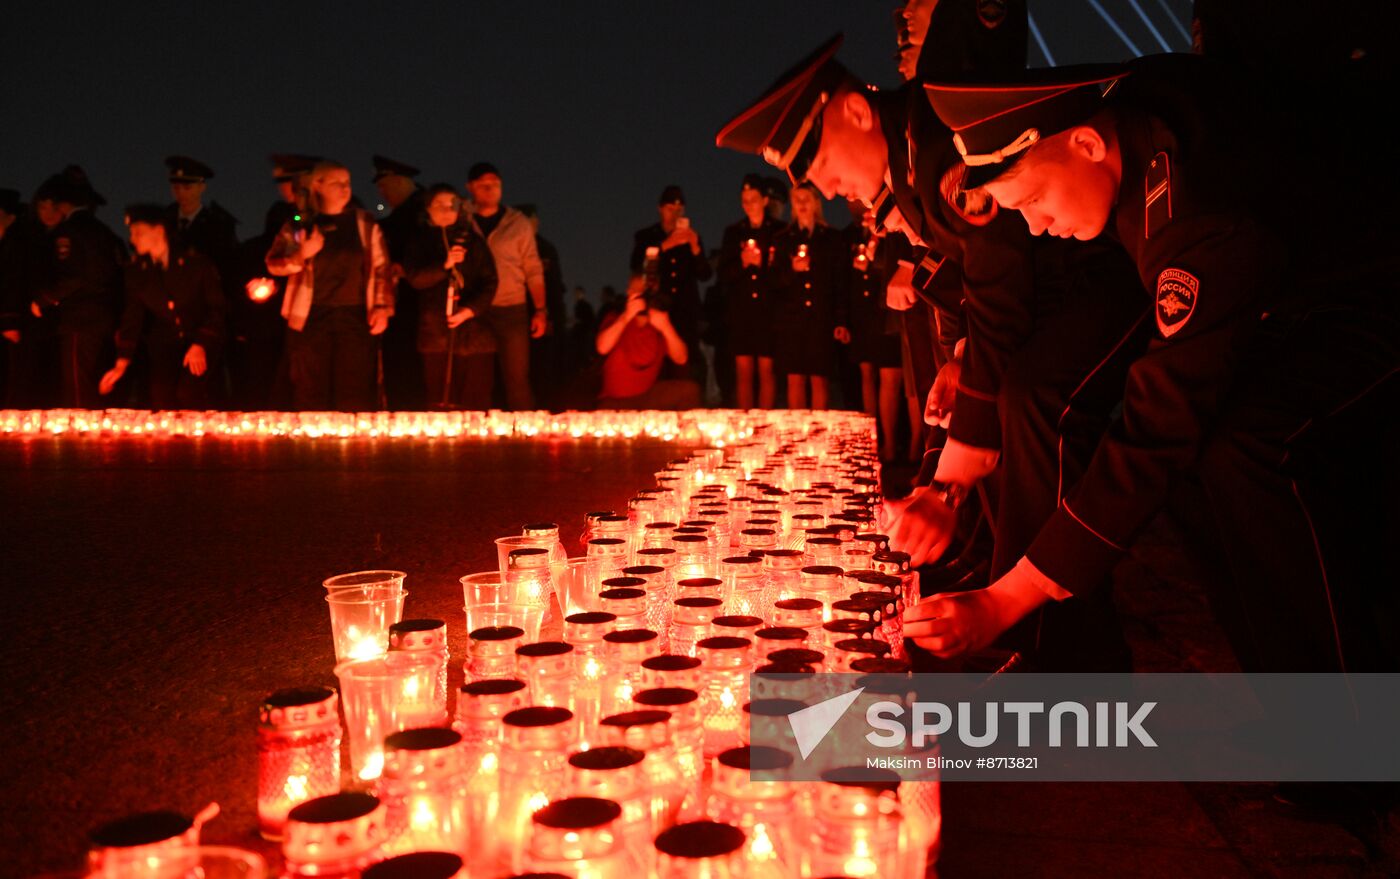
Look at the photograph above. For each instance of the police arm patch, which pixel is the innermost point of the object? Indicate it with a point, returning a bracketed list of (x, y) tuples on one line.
[(1176, 300)]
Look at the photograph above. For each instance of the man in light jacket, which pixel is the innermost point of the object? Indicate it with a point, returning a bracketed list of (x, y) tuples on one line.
[(339, 296), (520, 285)]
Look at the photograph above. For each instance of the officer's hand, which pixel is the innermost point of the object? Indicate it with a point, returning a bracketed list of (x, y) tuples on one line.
[(35, 310), (923, 528), (312, 243), (455, 256), (962, 464), (112, 376), (801, 263), (460, 316), (750, 256), (195, 360), (953, 624), (539, 324), (677, 238), (899, 293), (843, 335), (378, 321), (938, 412), (11, 336)]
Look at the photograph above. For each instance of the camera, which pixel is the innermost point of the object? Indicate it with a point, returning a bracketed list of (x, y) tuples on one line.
[(651, 269)]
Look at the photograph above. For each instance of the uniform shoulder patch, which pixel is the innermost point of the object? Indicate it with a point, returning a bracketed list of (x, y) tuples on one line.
[(1176, 300), (973, 205)]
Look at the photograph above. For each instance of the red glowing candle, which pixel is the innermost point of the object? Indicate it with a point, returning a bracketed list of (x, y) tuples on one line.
[(298, 752)]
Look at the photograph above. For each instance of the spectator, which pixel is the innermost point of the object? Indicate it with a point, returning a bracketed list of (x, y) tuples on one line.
[(519, 273), (339, 296), (811, 272), (451, 269), (210, 230), (80, 281), (547, 352), (744, 270), (175, 305), (777, 188), (584, 315), (681, 268), (403, 369), (635, 344), (875, 340), (30, 343)]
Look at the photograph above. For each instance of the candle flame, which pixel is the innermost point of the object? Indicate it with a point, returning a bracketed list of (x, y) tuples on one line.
[(296, 788)]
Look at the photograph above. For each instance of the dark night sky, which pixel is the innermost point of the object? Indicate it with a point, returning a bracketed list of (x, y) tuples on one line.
[(588, 109)]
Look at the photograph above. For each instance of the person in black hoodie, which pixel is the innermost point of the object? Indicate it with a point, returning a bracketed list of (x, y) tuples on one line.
[(745, 275), (810, 274), (176, 307), (454, 273)]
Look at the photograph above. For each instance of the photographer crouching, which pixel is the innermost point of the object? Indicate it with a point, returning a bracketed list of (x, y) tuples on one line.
[(635, 346)]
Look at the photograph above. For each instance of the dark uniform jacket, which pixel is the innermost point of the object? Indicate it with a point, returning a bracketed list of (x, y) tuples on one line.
[(401, 224), (1007, 274), (1212, 246), (818, 296), (680, 273), (82, 278), (424, 253), (747, 290), (24, 252), (173, 307), (212, 232)]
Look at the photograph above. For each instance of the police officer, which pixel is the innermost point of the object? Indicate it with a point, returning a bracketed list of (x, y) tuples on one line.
[(745, 263), (1275, 335), (403, 372), (174, 309), (875, 329), (682, 267), (207, 228), (1021, 396), (79, 281)]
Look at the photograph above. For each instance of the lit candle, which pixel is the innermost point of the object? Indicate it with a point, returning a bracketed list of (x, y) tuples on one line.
[(298, 752)]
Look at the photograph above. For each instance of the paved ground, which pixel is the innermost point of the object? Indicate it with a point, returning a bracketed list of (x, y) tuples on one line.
[(157, 590)]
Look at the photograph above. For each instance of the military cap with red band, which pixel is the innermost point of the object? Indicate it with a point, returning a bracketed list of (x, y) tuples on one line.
[(183, 169), (385, 166), (994, 124), (784, 124)]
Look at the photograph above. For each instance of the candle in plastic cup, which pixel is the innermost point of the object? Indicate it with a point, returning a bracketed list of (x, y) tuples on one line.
[(360, 620), (524, 616), (487, 587), (381, 696)]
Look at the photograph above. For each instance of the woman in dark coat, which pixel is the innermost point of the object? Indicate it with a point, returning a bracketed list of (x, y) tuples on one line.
[(810, 273), (453, 270)]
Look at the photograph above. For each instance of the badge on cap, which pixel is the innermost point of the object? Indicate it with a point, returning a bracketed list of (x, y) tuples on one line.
[(973, 205), (1176, 300)]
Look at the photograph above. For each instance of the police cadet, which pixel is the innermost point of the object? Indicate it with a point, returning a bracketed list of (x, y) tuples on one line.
[(80, 281), (401, 194), (207, 228), (175, 306), (1271, 375), (745, 260), (1036, 382), (682, 267)]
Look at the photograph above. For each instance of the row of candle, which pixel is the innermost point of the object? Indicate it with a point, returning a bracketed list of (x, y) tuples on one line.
[(694, 426)]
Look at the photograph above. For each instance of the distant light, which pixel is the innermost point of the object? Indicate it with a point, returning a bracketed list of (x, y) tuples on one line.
[(379, 207)]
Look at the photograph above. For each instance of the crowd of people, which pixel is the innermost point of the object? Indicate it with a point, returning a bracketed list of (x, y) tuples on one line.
[(451, 299)]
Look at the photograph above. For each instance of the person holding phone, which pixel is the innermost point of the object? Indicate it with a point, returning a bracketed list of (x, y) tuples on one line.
[(680, 269), (810, 274), (452, 269)]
